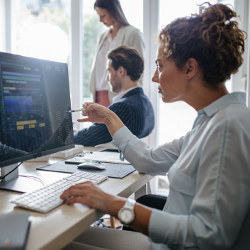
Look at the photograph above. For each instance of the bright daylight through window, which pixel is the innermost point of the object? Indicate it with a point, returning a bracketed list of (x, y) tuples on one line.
[(41, 29)]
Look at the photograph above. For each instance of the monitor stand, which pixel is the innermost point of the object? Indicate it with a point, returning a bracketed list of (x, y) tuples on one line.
[(16, 182)]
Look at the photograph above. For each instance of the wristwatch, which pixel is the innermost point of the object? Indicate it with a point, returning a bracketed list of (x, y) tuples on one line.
[(126, 214)]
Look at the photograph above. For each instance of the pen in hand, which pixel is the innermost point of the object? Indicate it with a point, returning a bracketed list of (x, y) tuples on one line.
[(75, 110)]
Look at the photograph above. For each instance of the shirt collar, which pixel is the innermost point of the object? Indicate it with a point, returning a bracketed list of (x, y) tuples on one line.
[(120, 95), (219, 104), (224, 101)]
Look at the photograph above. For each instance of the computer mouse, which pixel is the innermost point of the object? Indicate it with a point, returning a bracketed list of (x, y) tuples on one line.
[(91, 165)]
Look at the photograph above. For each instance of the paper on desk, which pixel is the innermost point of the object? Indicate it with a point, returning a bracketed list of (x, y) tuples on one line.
[(111, 157)]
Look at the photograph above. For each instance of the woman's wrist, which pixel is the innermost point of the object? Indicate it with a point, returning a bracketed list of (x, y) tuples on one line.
[(142, 213), (114, 205), (113, 122)]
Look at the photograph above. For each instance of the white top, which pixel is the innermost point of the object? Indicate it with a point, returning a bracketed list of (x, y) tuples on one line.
[(127, 35), (101, 64), (209, 173)]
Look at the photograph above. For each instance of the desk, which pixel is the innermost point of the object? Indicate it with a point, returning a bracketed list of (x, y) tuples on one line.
[(57, 228)]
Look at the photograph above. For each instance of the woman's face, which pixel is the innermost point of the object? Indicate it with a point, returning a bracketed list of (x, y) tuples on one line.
[(104, 16), (170, 79)]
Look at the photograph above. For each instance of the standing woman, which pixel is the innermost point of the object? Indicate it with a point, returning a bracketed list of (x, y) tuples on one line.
[(120, 32)]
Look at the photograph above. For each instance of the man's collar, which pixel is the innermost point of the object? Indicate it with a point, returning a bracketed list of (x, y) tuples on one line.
[(121, 94)]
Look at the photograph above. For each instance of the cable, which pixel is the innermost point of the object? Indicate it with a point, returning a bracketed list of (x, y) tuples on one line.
[(27, 176), (2, 177), (34, 178)]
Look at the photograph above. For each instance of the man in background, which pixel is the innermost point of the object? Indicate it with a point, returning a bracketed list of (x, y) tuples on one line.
[(125, 68)]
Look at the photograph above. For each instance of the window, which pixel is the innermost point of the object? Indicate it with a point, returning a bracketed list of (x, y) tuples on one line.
[(133, 11), (92, 29), (41, 29)]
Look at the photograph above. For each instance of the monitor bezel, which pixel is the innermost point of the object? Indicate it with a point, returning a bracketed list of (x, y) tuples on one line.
[(34, 155)]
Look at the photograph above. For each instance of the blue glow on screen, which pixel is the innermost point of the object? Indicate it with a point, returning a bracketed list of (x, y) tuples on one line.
[(18, 104)]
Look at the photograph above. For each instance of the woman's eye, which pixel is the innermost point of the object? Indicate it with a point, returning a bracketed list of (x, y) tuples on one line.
[(159, 66)]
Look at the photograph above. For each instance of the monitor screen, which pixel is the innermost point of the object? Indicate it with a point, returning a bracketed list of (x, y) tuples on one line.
[(34, 100)]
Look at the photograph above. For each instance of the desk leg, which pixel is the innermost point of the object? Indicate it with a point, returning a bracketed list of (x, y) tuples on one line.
[(146, 189)]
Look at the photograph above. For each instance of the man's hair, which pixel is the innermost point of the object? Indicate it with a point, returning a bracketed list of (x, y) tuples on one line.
[(129, 59), (114, 8)]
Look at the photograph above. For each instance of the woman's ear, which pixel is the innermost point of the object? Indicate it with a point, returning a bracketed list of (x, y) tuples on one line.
[(191, 68)]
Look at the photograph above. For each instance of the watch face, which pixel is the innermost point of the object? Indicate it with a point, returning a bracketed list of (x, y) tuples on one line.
[(127, 216)]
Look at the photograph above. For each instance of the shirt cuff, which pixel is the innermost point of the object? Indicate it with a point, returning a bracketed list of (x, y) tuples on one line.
[(121, 136), (162, 227)]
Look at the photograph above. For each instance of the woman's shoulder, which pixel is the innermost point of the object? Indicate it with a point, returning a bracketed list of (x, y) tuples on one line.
[(130, 29)]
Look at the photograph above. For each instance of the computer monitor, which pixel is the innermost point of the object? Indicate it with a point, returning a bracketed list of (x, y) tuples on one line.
[(34, 122)]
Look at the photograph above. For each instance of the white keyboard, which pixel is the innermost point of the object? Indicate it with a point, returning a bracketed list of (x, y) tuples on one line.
[(48, 197)]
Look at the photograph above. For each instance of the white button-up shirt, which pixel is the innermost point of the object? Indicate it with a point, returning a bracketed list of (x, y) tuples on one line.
[(209, 176)]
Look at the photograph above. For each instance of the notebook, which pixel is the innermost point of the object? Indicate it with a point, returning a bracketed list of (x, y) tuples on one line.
[(14, 231)]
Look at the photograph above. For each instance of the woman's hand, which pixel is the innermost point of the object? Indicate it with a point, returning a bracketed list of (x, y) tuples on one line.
[(95, 113), (91, 195), (100, 114)]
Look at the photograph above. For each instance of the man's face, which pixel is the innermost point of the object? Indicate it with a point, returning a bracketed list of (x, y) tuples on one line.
[(113, 78)]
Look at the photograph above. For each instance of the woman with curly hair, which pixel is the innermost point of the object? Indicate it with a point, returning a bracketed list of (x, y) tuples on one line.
[(208, 168)]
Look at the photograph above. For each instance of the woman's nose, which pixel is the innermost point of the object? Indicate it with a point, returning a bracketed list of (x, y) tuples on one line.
[(155, 77)]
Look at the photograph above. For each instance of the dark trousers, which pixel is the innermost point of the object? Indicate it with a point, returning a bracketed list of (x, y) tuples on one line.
[(150, 200)]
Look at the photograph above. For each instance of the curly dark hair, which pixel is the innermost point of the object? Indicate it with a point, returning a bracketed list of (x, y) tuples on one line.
[(212, 37), (129, 59)]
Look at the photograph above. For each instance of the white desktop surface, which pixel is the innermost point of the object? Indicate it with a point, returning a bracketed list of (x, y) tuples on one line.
[(57, 228)]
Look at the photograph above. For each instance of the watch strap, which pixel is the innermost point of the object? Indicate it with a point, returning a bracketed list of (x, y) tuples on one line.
[(130, 203)]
